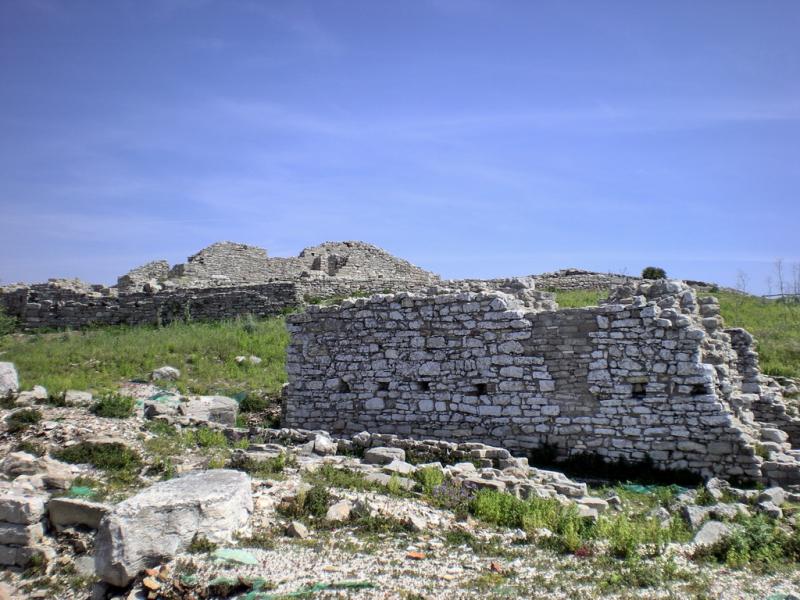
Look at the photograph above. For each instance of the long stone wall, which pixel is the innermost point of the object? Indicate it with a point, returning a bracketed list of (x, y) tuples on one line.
[(650, 375), (54, 307)]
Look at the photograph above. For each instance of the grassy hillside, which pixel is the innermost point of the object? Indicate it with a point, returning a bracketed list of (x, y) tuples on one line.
[(775, 324), (100, 359)]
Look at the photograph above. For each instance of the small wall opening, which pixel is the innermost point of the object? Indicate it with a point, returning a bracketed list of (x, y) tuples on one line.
[(481, 388), (343, 386), (383, 386), (422, 386), (639, 390), (699, 389)]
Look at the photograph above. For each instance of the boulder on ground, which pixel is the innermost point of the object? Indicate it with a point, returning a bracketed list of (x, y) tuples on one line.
[(9, 381), (77, 398), (213, 409), (711, 533), (161, 521), (165, 373), (37, 394), (383, 456)]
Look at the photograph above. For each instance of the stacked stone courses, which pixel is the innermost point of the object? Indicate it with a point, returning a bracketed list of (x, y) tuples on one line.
[(651, 375)]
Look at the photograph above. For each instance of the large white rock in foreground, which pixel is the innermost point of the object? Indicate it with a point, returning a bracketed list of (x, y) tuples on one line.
[(159, 522), (9, 382), (216, 409)]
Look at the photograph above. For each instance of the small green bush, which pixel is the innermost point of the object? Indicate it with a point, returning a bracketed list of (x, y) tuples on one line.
[(264, 469), (201, 545), (114, 406), (7, 323), (429, 478), (205, 437), (311, 503), (253, 403), (654, 273), (22, 419)]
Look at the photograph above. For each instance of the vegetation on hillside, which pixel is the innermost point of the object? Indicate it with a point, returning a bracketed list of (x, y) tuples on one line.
[(100, 359), (774, 323)]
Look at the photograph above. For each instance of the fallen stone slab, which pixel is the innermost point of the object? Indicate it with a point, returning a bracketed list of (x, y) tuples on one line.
[(383, 456), (68, 512), (9, 381), (213, 409), (157, 523), (339, 511), (19, 556)]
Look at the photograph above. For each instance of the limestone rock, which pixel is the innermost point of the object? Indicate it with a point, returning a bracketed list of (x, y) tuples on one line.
[(399, 467), (775, 495), (383, 456), (165, 373), (213, 409), (66, 512), (77, 398), (248, 360), (29, 398), (324, 445), (339, 511), (9, 381), (297, 530), (711, 533), (21, 508), (161, 521), (18, 534)]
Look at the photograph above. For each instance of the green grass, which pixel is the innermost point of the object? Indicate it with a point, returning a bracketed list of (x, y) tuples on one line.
[(579, 298), (120, 463), (100, 359), (775, 324)]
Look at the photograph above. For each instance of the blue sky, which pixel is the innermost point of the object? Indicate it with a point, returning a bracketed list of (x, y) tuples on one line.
[(474, 138)]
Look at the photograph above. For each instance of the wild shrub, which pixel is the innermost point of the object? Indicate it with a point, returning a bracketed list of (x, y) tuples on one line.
[(114, 406), (22, 419), (756, 541), (7, 323), (429, 478)]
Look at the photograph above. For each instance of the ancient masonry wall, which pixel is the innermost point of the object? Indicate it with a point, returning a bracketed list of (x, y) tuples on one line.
[(651, 375), (53, 307)]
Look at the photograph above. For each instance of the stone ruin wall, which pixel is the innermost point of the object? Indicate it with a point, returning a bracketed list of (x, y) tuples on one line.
[(52, 307), (651, 374), (221, 281)]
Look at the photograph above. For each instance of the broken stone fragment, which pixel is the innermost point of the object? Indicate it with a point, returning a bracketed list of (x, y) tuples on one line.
[(37, 394), (9, 381), (165, 373), (212, 409), (297, 530), (248, 360), (339, 512), (77, 398), (162, 520)]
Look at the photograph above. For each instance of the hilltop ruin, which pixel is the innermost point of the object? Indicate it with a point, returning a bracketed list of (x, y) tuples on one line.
[(228, 279)]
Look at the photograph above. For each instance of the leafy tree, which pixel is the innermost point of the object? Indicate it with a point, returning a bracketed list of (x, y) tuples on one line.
[(654, 273)]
